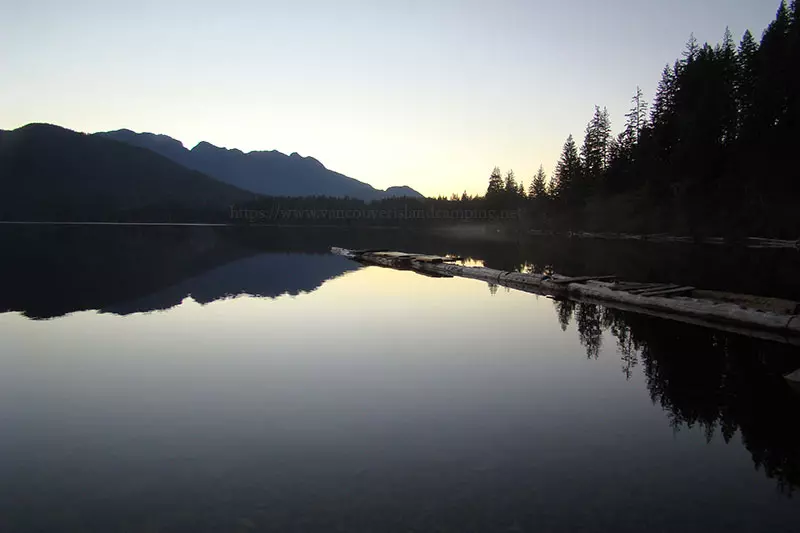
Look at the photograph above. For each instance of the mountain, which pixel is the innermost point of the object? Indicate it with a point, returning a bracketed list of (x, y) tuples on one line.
[(402, 190), (51, 173), (270, 173)]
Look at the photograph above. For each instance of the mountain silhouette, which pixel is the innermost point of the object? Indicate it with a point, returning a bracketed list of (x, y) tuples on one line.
[(52, 173), (270, 173)]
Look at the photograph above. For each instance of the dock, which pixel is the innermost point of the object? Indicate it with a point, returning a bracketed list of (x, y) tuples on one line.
[(768, 318)]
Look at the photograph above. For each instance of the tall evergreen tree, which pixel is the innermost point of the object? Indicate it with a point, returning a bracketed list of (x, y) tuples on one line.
[(595, 148), (567, 176), (664, 101), (538, 188), (635, 122), (496, 185), (510, 186), (746, 81), (691, 50), (637, 116), (794, 59), (730, 76), (774, 57)]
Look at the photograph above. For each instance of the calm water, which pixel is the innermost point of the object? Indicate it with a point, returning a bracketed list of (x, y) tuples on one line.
[(192, 380)]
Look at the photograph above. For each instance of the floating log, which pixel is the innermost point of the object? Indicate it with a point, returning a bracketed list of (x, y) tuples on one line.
[(761, 242), (757, 316)]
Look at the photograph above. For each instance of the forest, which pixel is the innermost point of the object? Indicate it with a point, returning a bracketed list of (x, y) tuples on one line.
[(714, 153)]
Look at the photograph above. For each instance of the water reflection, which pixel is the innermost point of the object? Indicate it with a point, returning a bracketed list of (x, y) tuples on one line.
[(381, 395), (721, 382), (49, 271), (52, 271)]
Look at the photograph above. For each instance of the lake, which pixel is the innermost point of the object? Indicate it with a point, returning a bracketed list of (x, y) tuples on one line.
[(174, 379)]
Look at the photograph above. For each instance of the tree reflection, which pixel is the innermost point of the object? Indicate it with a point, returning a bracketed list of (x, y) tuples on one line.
[(588, 317), (564, 309), (719, 382)]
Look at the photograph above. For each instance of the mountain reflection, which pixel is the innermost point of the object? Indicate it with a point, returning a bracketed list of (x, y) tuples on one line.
[(267, 275), (721, 382), (52, 271)]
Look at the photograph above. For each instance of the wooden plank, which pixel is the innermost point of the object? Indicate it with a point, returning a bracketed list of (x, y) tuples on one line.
[(428, 258), (632, 286), (668, 292), (762, 303), (367, 251), (658, 286), (392, 255), (580, 278)]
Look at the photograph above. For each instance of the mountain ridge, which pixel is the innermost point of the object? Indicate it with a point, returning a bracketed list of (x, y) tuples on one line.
[(265, 172), (50, 172)]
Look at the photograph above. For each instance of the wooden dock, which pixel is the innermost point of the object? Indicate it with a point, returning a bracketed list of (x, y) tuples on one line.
[(767, 318)]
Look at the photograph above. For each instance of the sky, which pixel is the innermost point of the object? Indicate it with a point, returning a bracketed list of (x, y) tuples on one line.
[(431, 94)]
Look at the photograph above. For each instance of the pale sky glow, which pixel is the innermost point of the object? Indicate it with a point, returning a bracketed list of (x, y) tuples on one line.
[(430, 94)]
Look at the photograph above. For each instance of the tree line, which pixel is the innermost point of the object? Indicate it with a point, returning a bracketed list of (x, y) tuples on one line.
[(715, 152)]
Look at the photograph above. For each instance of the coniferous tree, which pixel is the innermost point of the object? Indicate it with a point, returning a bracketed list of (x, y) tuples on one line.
[(510, 186), (746, 82), (538, 188), (793, 104), (595, 150), (635, 122), (637, 116), (619, 147), (728, 72), (794, 59), (772, 79), (691, 50), (664, 101), (553, 187), (496, 185), (567, 176)]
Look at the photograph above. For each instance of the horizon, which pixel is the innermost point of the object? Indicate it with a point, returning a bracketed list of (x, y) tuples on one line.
[(434, 83)]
